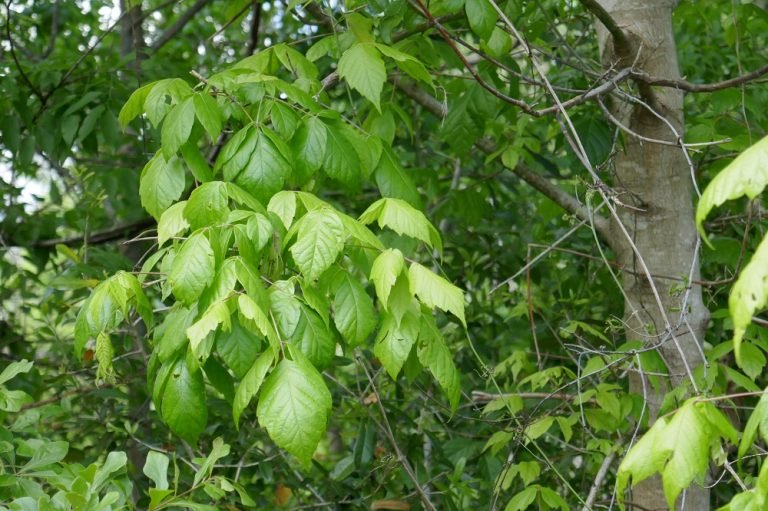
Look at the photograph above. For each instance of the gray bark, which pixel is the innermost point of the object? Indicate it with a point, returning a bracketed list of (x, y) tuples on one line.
[(657, 183)]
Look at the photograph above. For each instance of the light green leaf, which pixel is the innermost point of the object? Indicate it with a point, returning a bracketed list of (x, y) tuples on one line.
[(395, 341), (319, 242), (15, 368), (523, 499), (758, 420), (253, 312), (402, 218), (238, 348), (251, 384), (177, 127), (309, 146), (192, 269), (218, 450), (746, 175), (207, 205), (183, 405), (354, 315), (408, 63), (161, 184), (363, 69), (435, 291), (749, 294), (481, 16), (217, 314), (384, 272), (266, 170), (156, 468), (135, 104), (645, 458), (294, 406), (538, 427), (208, 113), (172, 223), (314, 339), (283, 204), (360, 233), (434, 354)]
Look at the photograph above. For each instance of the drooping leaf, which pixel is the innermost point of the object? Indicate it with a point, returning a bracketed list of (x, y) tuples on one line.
[(758, 421), (384, 272), (313, 337), (435, 291), (192, 269), (217, 314), (481, 16), (266, 169), (341, 162), (393, 181), (309, 146), (135, 104), (161, 184), (156, 468), (283, 204), (363, 69), (319, 242), (172, 223), (402, 218), (208, 113), (177, 126), (353, 312), (294, 406), (238, 347), (395, 341), (183, 405), (434, 354), (251, 383), (207, 205), (749, 294)]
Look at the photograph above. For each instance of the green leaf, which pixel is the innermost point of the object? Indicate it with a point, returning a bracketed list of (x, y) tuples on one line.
[(408, 63), (402, 218), (156, 468), (217, 314), (538, 427), (758, 420), (266, 170), (207, 205), (384, 272), (393, 181), (135, 104), (309, 146), (177, 127), (283, 204), (162, 183), (395, 341), (208, 113), (15, 368), (319, 242), (251, 383), (752, 360), (218, 450), (294, 406), (481, 16), (746, 175), (341, 162), (172, 223), (353, 312), (46, 454), (749, 294), (238, 347), (192, 269), (523, 499), (313, 338), (197, 164), (363, 69), (253, 312), (434, 354), (645, 458), (435, 291), (183, 405)]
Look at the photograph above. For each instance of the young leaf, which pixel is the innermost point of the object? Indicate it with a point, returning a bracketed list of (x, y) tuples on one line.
[(749, 294), (435, 355), (402, 218), (353, 311), (135, 104), (363, 69), (216, 315), (192, 269), (183, 405), (172, 223), (207, 205), (319, 242), (156, 468), (395, 341), (161, 184), (294, 406), (251, 384), (177, 127), (746, 175), (283, 204), (314, 339), (208, 113), (435, 291), (384, 272)]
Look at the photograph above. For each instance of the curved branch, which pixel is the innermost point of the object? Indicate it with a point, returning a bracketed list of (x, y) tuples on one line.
[(687, 86)]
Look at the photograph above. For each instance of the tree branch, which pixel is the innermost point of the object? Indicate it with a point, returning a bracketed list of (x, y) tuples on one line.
[(699, 87), (561, 198), (98, 237), (174, 29), (620, 39)]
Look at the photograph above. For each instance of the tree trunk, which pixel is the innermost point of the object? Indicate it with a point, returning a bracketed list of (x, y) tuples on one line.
[(654, 202)]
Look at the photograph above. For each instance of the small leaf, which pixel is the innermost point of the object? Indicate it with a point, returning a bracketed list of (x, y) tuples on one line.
[(156, 468), (294, 406), (538, 428), (758, 420), (183, 405), (363, 69), (217, 314), (162, 183), (435, 291), (393, 181), (192, 269), (319, 242), (15, 368)]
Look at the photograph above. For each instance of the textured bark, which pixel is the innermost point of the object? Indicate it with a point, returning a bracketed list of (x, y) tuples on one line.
[(656, 181)]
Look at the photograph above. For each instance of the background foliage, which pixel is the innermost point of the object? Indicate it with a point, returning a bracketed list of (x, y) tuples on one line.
[(188, 295)]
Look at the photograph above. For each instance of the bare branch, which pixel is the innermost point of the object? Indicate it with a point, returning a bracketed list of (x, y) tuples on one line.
[(687, 86), (174, 29), (620, 39)]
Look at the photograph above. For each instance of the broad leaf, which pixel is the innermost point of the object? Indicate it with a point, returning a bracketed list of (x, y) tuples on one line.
[(402, 218), (481, 16), (192, 269), (207, 205), (294, 406), (384, 272), (161, 184), (319, 242), (353, 311), (313, 337), (435, 291), (283, 204), (208, 113), (341, 162), (177, 126), (435, 355), (238, 347), (172, 223), (395, 341), (309, 146), (251, 383), (363, 69), (749, 295), (183, 405), (265, 171)]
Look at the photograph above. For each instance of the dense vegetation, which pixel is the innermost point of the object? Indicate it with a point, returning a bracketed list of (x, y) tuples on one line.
[(383, 255)]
